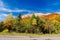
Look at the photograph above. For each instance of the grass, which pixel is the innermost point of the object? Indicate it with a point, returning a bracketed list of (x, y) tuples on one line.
[(28, 34)]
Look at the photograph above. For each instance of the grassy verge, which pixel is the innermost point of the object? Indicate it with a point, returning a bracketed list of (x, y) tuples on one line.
[(28, 34)]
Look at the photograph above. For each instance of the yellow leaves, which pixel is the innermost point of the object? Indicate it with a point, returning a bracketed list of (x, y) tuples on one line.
[(5, 31), (34, 22), (9, 20), (55, 18)]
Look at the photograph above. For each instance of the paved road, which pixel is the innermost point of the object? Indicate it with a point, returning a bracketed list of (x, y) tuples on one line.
[(27, 38)]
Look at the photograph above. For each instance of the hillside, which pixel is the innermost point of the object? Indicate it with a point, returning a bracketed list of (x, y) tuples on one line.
[(54, 16)]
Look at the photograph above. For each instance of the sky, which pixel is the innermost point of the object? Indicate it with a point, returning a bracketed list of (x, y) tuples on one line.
[(27, 7)]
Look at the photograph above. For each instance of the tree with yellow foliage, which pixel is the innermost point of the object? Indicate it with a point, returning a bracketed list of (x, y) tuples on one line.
[(8, 22)]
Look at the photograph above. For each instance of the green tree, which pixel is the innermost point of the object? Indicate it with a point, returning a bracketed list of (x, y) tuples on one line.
[(34, 24), (57, 27), (38, 24), (1, 26), (18, 25)]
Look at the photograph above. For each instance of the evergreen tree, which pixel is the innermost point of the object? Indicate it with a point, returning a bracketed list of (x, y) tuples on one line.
[(38, 20), (34, 23), (33, 19), (38, 24), (19, 25)]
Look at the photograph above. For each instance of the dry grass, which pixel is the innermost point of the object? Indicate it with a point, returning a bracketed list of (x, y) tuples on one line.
[(27, 34)]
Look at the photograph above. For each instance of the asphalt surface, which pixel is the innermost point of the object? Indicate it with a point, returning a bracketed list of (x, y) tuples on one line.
[(27, 38)]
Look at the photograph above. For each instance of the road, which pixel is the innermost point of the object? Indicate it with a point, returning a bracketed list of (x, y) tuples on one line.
[(27, 38)]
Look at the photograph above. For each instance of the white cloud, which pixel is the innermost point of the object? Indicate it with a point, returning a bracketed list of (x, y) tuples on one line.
[(3, 8), (2, 16), (14, 16), (9, 10), (57, 12), (36, 14), (1, 4)]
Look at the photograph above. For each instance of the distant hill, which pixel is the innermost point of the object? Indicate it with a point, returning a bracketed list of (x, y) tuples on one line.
[(52, 16)]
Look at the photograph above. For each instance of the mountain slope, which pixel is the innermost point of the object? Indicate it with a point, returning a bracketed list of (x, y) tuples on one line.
[(52, 16)]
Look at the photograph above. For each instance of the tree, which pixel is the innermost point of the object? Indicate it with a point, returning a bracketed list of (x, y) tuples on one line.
[(35, 22), (38, 24), (57, 26), (33, 19), (8, 22), (19, 25), (1, 26), (47, 27)]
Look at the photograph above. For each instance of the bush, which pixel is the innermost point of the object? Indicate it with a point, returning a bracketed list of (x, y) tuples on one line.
[(1, 29), (5, 31)]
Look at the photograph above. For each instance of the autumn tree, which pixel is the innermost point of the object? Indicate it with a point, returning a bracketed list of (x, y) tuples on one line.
[(47, 27), (8, 22)]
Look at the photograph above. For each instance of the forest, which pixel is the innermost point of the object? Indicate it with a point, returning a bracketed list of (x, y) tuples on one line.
[(33, 24)]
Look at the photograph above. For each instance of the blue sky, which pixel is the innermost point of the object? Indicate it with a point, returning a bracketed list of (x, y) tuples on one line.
[(27, 6)]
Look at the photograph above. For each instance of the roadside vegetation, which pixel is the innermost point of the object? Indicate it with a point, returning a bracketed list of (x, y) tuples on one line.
[(35, 25)]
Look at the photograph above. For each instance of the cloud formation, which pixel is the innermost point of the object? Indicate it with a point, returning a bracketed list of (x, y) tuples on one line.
[(2, 16), (3, 8), (36, 14), (9, 10)]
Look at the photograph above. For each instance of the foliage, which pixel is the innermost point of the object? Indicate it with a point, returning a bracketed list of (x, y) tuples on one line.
[(8, 22), (5, 31), (47, 27), (35, 24), (1, 26)]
